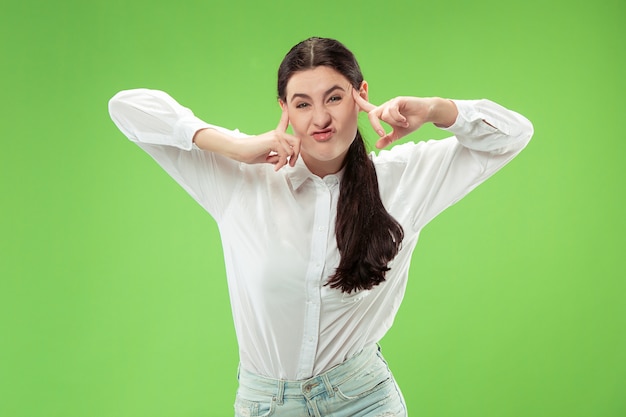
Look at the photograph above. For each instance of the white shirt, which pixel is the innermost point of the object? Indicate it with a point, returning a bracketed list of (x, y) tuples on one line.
[(278, 228)]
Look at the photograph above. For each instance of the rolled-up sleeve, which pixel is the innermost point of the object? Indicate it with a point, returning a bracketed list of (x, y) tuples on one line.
[(165, 129), (485, 126), (422, 179)]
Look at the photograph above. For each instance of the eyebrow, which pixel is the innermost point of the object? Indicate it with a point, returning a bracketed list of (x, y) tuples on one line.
[(327, 92)]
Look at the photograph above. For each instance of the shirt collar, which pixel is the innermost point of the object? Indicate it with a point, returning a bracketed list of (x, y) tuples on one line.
[(299, 173)]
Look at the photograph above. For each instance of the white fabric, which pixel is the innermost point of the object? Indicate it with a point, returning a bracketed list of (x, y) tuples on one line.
[(277, 228)]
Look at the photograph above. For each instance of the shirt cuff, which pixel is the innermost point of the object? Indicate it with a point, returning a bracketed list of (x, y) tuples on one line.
[(483, 125), (483, 113), (187, 126)]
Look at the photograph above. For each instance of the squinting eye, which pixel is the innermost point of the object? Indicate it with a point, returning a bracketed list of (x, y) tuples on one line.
[(334, 99), (302, 105)]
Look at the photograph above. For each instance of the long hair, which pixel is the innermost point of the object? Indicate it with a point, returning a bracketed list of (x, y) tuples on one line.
[(368, 237)]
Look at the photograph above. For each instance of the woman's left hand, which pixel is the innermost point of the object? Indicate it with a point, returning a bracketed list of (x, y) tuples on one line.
[(405, 115)]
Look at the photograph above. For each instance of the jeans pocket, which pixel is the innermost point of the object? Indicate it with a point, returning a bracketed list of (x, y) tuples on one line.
[(364, 385), (257, 407)]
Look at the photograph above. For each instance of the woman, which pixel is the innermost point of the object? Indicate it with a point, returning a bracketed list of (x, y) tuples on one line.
[(317, 235)]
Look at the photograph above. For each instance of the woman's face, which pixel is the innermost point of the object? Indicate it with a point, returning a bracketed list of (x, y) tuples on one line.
[(323, 114)]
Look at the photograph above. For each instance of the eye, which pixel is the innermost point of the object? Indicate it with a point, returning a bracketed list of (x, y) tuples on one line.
[(334, 99), (301, 105)]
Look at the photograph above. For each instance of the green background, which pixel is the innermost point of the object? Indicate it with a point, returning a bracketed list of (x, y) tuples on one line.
[(113, 299)]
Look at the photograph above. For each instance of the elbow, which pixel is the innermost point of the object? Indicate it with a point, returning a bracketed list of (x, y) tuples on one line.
[(527, 132), (120, 102), (121, 106), (524, 130), (527, 128), (117, 104), (519, 137)]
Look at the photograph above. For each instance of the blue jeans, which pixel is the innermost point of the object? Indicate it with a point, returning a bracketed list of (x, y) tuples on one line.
[(362, 386)]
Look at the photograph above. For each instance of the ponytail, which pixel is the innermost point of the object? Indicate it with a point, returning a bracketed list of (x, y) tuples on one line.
[(368, 237)]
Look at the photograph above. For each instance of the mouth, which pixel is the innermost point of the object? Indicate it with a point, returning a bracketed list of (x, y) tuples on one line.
[(323, 135)]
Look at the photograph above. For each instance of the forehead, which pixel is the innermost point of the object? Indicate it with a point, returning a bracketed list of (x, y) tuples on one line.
[(315, 82)]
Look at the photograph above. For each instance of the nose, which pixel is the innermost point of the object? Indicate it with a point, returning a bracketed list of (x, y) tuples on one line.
[(321, 117)]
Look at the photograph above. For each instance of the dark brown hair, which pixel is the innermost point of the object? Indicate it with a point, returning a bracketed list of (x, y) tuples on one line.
[(368, 237)]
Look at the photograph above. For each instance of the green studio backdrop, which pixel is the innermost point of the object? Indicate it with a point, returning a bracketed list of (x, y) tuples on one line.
[(113, 294)]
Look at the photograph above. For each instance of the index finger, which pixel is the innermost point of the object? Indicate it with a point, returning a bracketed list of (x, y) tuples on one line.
[(284, 121), (365, 105)]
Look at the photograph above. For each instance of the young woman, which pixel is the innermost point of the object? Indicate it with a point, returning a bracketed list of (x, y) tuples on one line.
[(317, 234)]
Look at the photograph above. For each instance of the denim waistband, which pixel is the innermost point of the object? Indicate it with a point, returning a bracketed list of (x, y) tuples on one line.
[(324, 382)]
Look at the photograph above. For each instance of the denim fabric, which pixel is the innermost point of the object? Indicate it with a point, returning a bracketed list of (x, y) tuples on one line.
[(362, 386)]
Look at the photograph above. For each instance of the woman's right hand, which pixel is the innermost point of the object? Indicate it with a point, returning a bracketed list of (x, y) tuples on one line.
[(275, 147)]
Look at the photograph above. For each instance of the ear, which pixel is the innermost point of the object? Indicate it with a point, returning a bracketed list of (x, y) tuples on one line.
[(363, 91), (282, 104)]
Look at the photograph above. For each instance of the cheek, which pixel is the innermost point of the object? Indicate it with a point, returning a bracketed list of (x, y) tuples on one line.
[(298, 125), (350, 118)]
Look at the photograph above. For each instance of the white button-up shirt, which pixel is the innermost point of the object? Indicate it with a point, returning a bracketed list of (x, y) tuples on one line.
[(278, 228)]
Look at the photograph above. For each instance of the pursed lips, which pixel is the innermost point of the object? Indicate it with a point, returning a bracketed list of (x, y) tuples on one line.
[(322, 135)]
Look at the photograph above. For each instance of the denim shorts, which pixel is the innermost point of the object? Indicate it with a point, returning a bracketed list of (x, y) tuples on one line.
[(362, 386)]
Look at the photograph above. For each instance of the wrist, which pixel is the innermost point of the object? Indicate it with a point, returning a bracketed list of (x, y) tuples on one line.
[(212, 140), (443, 112)]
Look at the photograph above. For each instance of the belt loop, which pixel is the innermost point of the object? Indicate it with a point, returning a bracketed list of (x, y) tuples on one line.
[(280, 396), (328, 385)]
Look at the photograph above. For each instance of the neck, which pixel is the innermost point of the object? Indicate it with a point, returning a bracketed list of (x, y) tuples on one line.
[(323, 168)]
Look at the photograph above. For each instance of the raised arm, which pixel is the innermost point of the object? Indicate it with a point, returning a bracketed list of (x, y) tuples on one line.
[(440, 172), (153, 117)]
